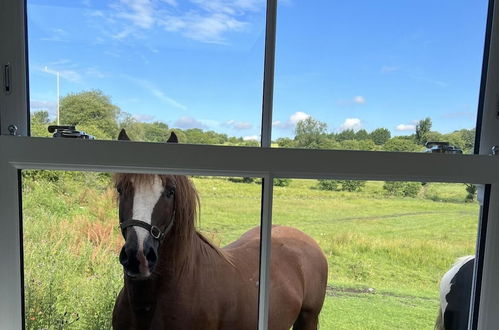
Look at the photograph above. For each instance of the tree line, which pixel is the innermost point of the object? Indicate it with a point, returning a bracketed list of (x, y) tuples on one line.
[(313, 134), (93, 112)]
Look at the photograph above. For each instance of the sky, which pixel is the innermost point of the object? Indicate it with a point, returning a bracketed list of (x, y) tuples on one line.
[(353, 64)]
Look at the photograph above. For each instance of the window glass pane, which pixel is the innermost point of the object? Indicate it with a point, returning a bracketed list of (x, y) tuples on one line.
[(384, 76), (148, 66), (387, 247), (75, 257)]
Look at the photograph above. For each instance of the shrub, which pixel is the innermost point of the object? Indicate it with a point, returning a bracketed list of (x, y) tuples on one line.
[(394, 187), (400, 188), (411, 189), (471, 192), (325, 184), (352, 185), (242, 180), (281, 182)]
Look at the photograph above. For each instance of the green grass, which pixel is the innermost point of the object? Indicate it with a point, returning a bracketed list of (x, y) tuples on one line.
[(396, 247)]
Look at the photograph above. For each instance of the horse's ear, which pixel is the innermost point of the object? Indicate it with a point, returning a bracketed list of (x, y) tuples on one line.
[(123, 136), (173, 138)]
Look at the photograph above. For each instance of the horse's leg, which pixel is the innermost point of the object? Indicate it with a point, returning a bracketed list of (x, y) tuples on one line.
[(307, 320)]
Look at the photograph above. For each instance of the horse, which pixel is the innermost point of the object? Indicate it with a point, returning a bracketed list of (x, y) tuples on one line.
[(175, 278), (455, 295)]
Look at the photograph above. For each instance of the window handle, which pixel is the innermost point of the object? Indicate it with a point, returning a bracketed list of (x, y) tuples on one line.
[(7, 78)]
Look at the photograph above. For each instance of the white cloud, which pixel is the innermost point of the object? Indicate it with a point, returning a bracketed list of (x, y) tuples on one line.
[(170, 2), (38, 105), (351, 123), (143, 117), (238, 125), (206, 21), (298, 116), (95, 73), (158, 93), (292, 121), (70, 71), (56, 35), (356, 100), (139, 12), (388, 69), (459, 114), (251, 138), (359, 100), (405, 127), (69, 75), (189, 122)]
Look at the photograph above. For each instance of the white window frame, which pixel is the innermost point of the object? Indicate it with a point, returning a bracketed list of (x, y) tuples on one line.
[(23, 152)]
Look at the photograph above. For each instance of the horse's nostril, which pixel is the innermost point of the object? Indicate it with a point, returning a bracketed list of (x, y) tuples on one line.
[(123, 257), (151, 256)]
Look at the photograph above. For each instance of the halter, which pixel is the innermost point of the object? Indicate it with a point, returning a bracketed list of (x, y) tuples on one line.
[(155, 232)]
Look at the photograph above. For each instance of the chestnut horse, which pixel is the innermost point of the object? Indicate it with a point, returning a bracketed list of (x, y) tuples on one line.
[(175, 278)]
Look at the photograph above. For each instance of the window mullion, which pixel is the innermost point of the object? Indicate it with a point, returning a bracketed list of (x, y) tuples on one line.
[(265, 252), (267, 184), (268, 73)]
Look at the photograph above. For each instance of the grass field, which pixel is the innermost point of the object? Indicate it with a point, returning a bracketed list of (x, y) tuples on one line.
[(386, 254)]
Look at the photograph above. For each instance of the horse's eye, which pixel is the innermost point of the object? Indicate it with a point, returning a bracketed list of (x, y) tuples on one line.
[(120, 190), (169, 192)]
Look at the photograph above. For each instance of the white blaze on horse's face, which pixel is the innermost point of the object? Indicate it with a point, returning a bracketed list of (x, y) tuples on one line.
[(146, 195)]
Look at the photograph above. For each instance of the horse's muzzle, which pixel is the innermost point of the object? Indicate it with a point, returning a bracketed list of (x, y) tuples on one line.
[(139, 262)]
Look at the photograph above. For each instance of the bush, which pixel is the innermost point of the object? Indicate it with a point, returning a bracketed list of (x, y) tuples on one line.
[(400, 188), (242, 180), (352, 185), (280, 182), (325, 184), (411, 189), (471, 192), (394, 187)]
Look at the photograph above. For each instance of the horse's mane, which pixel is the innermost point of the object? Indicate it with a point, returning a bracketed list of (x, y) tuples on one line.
[(187, 209)]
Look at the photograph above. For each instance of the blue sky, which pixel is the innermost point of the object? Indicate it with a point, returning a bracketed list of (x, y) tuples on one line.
[(199, 63)]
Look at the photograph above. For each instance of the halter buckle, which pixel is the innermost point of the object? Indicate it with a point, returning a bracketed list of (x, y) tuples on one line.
[(155, 232)]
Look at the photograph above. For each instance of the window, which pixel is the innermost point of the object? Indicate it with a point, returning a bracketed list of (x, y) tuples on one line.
[(188, 66), (32, 153), (365, 76)]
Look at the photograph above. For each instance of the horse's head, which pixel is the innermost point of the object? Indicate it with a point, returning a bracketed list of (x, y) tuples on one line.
[(147, 211)]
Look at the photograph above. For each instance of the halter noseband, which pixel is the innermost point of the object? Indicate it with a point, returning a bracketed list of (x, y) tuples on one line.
[(153, 230)]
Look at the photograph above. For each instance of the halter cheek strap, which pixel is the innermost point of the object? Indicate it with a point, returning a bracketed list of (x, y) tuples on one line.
[(153, 230)]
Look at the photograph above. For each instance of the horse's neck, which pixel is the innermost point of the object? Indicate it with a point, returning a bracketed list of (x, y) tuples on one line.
[(141, 294)]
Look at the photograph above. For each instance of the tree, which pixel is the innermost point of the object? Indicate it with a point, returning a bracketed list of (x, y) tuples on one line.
[(285, 142), (92, 109), (423, 127), (40, 117), (39, 124), (310, 133), (464, 139), (380, 136), (357, 145), (156, 132), (401, 144), (362, 135), (348, 134)]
